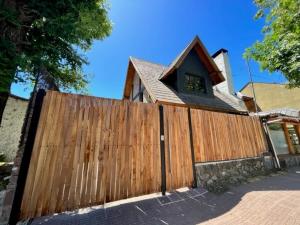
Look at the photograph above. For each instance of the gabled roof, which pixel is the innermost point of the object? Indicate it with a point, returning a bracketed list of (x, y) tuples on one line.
[(149, 74), (214, 72)]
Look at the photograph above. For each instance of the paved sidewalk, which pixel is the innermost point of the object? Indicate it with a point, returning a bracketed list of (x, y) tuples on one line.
[(269, 200)]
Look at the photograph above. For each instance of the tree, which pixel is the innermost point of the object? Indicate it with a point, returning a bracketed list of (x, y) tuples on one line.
[(42, 35), (280, 49)]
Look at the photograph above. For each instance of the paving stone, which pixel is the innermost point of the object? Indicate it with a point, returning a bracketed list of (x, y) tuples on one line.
[(164, 200), (272, 200)]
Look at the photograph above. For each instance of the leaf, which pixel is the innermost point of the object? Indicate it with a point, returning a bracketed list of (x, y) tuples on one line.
[(50, 36), (280, 48)]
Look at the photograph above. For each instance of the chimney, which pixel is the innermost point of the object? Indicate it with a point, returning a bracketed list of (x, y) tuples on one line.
[(222, 60)]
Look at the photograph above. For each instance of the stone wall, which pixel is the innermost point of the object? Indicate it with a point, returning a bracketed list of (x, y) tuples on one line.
[(287, 161), (217, 176), (11, 126)]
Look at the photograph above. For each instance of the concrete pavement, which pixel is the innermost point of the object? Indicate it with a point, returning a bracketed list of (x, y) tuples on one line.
[(265, 200)]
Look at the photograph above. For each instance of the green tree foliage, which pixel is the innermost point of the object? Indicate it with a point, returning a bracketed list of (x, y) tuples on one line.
[(38, 35), (280, 48)]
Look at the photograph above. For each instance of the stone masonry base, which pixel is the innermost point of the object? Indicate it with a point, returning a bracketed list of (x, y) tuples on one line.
[(217, 176)]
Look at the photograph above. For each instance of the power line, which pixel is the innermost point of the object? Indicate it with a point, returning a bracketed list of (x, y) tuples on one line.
[(250, 75)]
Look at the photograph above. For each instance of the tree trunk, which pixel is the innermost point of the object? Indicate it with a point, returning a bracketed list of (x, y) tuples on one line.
[(11, 39), (6, 80)]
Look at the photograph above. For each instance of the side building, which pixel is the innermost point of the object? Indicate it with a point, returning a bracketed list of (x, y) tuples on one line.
[(270, 96), (11, 126)]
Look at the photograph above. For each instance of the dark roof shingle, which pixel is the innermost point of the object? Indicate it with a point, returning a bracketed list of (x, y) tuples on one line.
[(159, 91)]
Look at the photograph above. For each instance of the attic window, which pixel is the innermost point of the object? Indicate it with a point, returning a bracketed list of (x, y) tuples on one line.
[(194, 84)]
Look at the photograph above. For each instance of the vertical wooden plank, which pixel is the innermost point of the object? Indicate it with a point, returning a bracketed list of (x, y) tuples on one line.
[(133, 130), (105, 113), (90, 154), (147, 155), (175, 154), (76, 143), (53, 160), (68, 145), (288, 139), (43, 164), (191, 131), (85, 156), (199, 135), (120, 157), (81, 159), (126, 140), (114, 150), (111, 153), (95, 159), (262, 136)]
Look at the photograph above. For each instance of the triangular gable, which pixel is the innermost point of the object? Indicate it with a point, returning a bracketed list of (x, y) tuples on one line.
[(210, 65), (131, 71)]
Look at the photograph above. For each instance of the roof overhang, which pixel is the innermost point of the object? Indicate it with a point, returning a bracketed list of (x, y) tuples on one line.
[(199, 106), (129, 80), (132, 70), (284, 119), (214, 72)]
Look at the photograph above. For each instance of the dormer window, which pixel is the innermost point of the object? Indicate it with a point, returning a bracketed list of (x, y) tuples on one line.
[(194, 84)]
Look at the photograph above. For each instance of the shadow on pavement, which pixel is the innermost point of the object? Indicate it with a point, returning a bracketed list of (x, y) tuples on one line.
[(190, 207)]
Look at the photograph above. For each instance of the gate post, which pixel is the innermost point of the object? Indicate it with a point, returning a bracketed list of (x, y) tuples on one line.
[(162, 150), (17, 182), (192, 148)]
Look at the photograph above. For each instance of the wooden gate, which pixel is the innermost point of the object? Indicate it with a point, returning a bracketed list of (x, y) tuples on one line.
[(90, 151), (179, 167)]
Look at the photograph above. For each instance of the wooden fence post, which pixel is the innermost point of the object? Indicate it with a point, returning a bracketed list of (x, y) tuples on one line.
[(27, 140), (288, 139), (192, 148), (162, 150)]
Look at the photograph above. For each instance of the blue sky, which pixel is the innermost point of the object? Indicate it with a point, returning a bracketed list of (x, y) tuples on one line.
[(158, 30)]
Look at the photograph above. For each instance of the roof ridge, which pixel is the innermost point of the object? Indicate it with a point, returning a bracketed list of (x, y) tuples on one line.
[(202, 52), (159, 64)]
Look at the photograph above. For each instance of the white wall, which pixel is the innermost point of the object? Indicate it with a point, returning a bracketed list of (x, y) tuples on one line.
[(11, 126), (135, 91), (222, 61)]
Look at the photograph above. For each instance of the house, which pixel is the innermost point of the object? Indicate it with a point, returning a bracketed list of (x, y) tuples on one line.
[(265, 95), (194, 79)]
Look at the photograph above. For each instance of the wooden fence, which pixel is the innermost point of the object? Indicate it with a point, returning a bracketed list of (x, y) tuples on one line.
[(221, 136), (89, 150), (177, 148)]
